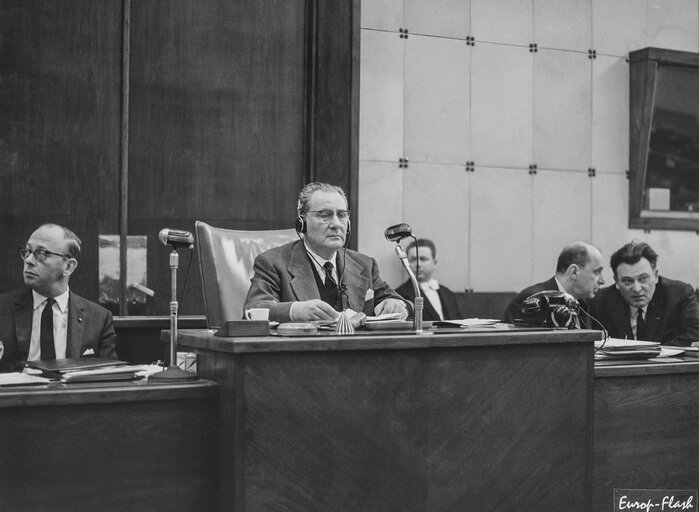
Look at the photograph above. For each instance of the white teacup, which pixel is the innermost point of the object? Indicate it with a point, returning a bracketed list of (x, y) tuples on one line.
[(257, 314)]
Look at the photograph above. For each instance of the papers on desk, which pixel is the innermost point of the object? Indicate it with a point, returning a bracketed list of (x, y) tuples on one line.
[(615, 348), (113, 373), (21, 379), (467, 322)]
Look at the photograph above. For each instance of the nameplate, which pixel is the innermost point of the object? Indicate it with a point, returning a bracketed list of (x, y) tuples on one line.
[(244, 328), (655, 500)]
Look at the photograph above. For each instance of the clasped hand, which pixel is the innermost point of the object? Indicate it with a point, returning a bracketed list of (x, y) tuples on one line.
[(312, 310)]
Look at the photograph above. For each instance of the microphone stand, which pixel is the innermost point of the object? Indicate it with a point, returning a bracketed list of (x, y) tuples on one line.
[(417, 319), (173, 373)]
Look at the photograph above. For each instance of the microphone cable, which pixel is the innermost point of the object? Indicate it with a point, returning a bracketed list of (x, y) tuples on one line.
[(186, 278), (605, 333)]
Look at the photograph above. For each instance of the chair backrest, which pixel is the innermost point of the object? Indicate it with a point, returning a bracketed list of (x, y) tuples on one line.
[(226, 258)]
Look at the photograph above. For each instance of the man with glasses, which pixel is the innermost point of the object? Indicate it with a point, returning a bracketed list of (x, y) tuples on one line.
[(316, 277), (643, 305), (45, 320)]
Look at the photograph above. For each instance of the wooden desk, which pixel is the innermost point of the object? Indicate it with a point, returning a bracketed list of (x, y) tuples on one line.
[(646, 428), (110, 447), (496, 421)]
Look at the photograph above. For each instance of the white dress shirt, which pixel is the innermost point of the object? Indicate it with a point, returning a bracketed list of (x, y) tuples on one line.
[(60, 325), (429, 290)]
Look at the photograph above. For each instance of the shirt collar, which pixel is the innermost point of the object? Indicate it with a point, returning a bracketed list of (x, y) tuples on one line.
[(432, 284), (319, 260), (61, 300), (634, 311)]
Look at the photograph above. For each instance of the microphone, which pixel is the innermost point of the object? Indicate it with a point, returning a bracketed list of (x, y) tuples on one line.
[(398, 232), (176, 238)]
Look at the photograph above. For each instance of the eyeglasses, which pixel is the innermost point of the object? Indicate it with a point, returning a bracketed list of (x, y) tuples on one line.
[(327, 215), (39, 254)]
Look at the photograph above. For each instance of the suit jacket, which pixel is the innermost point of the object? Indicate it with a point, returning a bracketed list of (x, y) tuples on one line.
[(450, 307), (89, 327), (514, 308), (284, 275), (672, 317)]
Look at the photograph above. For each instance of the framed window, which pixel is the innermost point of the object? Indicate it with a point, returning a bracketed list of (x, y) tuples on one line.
[(664, 139)]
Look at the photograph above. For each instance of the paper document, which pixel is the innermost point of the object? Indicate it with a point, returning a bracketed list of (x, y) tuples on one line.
[(21, 379)]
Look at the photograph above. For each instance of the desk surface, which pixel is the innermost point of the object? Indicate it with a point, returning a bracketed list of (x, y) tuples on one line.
[(204, 339)]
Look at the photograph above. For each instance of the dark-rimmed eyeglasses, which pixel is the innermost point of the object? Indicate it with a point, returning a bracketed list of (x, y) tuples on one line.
[(39, 254), (327, 215)]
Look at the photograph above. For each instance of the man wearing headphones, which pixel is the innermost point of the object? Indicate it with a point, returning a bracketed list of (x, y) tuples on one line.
[(316, 277)]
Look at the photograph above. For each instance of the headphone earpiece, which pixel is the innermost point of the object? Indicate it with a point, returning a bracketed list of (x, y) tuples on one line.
[(348, 232), (300, 224)]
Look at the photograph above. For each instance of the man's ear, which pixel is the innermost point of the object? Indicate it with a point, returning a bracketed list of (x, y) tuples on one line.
[(70, 266), (572, 271)]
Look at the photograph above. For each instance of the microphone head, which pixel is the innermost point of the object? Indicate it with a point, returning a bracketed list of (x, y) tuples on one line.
[(398, 232), (176, 238)]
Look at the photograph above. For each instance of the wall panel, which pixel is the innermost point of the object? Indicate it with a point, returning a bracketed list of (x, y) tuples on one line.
[(60, 65)]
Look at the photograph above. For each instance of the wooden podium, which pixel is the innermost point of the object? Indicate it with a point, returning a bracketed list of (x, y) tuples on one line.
[(499, 420)]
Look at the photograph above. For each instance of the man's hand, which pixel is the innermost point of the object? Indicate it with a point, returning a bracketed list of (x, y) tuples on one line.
[(314, 309), (389, 306)]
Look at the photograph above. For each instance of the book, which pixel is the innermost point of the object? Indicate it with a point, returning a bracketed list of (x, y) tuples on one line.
[(57, 367), (124, 372)]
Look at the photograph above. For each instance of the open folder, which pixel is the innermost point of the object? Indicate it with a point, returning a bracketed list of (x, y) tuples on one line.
[(615, 348)]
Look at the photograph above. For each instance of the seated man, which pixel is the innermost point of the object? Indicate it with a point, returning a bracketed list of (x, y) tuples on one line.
[(643, 305), (70, 326), (439, 301), (315, 277), (578, 272)]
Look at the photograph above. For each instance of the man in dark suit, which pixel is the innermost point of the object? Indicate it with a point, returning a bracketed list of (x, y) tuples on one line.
[(46, 320), (578, 272), (439, 301), (315, 277), (643, 305)]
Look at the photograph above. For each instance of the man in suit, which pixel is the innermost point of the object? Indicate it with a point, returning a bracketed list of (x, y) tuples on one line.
[(578, 272), (315, 277), (439, 301), (643, 305), (70, 326)]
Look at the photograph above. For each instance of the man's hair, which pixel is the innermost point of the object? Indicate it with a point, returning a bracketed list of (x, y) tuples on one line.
[(632, 253), (302, 205), (574, 253), (73, 242), (423, 242)]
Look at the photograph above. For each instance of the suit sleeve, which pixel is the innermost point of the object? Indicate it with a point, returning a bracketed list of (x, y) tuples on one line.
[(265, 291), (382, 290), (688, 329), (106, 347)]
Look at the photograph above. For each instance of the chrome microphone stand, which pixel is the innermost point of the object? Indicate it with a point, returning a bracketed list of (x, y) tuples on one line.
[(417, 318), (173, 373)]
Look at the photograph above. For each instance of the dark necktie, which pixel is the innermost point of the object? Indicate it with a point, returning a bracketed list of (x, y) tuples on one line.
[(330, 283), (640, 326), (48, 351)]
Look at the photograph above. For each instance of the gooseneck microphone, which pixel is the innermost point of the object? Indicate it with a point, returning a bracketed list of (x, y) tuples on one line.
[(398, 232), (395, 234), (176, 238)]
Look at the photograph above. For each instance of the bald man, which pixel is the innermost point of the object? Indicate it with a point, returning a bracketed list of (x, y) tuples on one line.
[(578, 272), (45, 319)]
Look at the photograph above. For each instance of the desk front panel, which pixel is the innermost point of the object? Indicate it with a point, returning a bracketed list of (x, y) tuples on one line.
[(108, 448), (646, 429), (459, 428)]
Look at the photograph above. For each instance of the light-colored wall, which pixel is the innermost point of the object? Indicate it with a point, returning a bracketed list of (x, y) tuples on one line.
[(441, 102)]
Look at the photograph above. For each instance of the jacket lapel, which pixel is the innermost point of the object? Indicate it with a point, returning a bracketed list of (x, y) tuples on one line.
[(654, 313), (23, 322), (356, 285), (77, 318), (303, 282), (620, 317)]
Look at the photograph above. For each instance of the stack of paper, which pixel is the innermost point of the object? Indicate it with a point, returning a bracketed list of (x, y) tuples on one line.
[(615, 348)]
